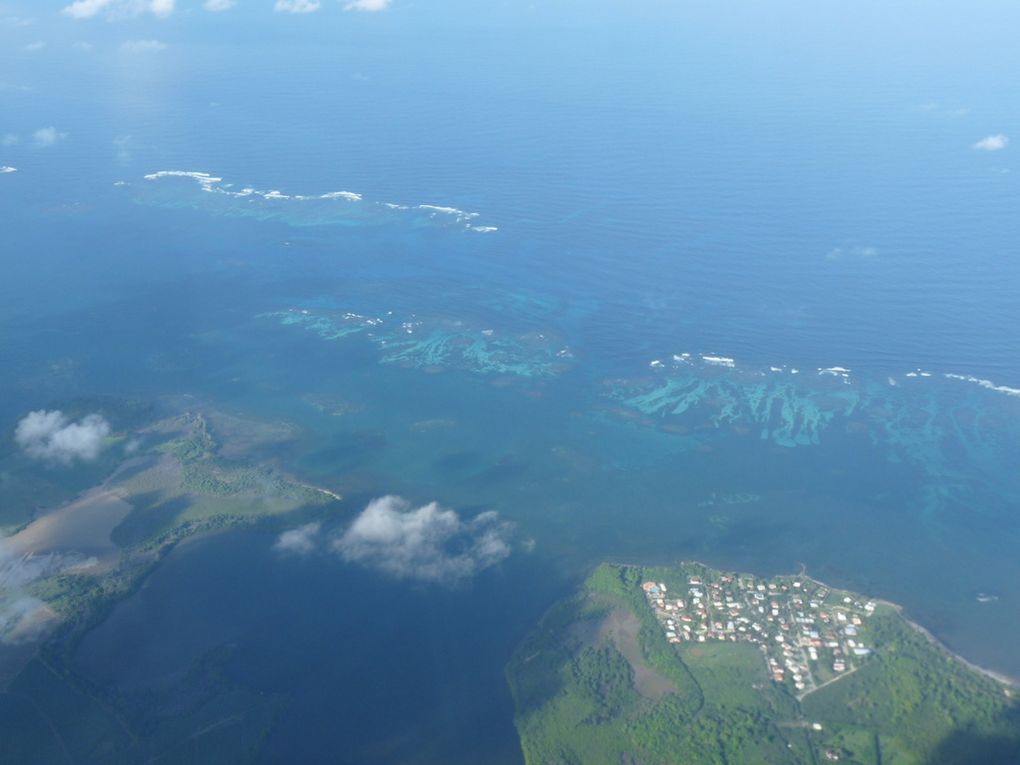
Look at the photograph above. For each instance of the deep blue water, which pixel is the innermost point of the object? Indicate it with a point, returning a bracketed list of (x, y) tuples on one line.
[(780, 186)]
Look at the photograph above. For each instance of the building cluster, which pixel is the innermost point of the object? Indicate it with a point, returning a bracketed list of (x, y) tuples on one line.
[(808, 635)]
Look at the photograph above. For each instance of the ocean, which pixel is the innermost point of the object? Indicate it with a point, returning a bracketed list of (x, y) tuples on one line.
[(676, 281)]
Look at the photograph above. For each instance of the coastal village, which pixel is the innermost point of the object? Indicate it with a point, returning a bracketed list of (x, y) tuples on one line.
[(809, 635)]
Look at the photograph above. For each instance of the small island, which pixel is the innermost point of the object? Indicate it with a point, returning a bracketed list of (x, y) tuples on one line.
[(693, 665)]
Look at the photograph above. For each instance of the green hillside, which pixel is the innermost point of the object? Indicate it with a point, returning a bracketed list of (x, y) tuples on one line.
[(621, 675)]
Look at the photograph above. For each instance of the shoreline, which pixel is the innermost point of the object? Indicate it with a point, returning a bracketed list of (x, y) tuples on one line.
[(999, 677), (321, 490)]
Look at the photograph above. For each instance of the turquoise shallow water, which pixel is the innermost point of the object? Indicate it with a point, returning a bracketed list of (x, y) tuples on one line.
[(750, 298)]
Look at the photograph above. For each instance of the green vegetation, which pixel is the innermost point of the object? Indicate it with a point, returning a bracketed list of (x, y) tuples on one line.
[(195, 443), (179, 480), (185, 482), (605, 680), (581, 690), (909, 697), (178, 484)]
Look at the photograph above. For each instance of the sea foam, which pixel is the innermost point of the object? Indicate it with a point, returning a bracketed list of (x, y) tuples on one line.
[(988, 384), (719, 361), (213, 184)]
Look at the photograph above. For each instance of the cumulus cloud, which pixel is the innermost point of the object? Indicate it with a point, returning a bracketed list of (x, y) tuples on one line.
[(296, 6), (50, 435), (996, 142), (32, 47), (86, 9), (368, 6), (162, 8), (47, 136), (143, 46), (119, 9), (9, 139), (427, 543), (219, 5), (301, 540)]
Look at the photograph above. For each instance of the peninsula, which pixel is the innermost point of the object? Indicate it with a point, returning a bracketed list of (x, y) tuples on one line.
[(170, 479), (693, 665)]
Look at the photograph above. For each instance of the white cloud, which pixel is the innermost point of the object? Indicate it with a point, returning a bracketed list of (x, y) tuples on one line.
[(51, 436), (9, 139), (82, 45), (16, 571), (47, 136), (162, 8), (368, 6), (23, 617), (32, 47), (427, 543), (119, 9), (86, 9), (296, 6), (143, 46), (301, 540), (7, 169), (219, 5), (992, 143)]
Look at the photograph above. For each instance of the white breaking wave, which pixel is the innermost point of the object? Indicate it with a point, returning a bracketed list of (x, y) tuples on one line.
[(841, 372), (986, 384), (349, 195), (214, 185), (5, 169), (719, 361), (459, 215), (205, 180), (728, 362)]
